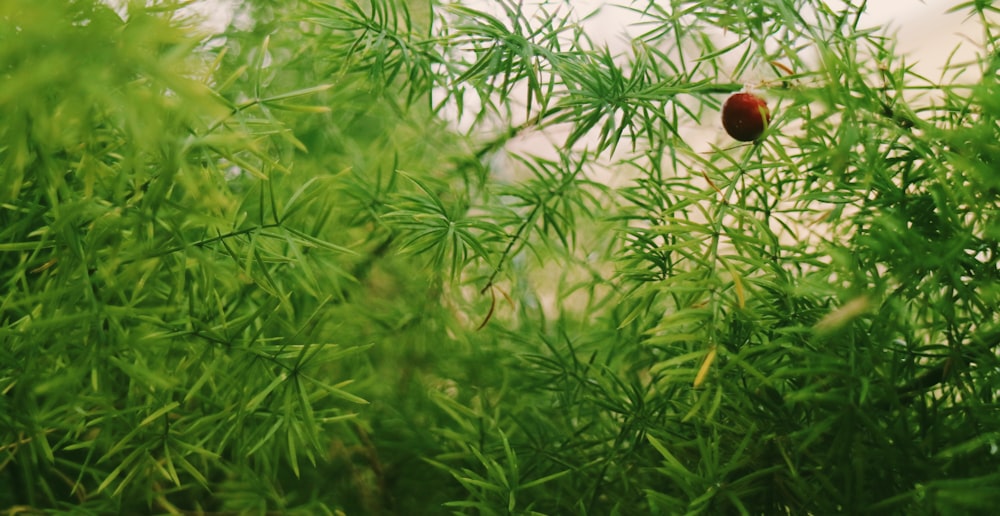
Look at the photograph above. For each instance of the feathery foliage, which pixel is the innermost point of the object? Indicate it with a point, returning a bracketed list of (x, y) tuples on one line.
[(310, 264)]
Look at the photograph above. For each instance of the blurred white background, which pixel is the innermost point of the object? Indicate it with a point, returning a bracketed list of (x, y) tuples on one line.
[(925, 29), (927, 36)]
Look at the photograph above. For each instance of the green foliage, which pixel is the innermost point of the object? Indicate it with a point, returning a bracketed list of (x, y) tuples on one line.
[(160, 322), (265, 271)]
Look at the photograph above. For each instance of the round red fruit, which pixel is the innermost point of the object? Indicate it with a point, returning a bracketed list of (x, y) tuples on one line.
[(745, 116)]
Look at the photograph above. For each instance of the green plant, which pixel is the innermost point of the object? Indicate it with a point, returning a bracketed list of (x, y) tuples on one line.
[(263, 271), (160, 311)]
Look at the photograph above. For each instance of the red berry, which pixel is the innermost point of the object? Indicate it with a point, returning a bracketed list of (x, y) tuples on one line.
[(745, 116)]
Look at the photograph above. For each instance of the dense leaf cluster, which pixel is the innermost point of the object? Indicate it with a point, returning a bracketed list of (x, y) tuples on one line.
[(308, 265)]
